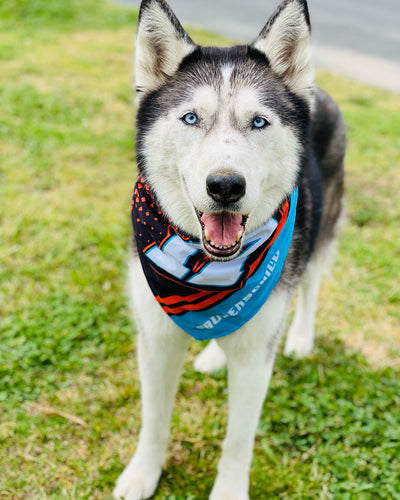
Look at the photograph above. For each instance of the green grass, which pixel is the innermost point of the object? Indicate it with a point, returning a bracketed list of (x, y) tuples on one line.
[(69, 393)]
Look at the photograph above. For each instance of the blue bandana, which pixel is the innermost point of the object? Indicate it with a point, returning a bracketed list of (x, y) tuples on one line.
[(207, 298)]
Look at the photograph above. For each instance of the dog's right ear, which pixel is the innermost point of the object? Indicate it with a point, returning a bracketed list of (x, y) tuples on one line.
[(285, 41), (161, 44)]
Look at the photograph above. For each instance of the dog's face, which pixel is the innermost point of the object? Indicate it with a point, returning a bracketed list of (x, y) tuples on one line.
[(220, 131)]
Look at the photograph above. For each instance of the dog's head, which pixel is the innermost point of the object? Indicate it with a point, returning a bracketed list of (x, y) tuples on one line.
[(221, 131)]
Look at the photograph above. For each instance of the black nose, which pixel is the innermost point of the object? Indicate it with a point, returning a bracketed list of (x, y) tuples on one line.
[(226, 188)]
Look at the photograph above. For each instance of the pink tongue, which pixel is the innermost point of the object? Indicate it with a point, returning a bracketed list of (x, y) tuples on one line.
[(222, 227)]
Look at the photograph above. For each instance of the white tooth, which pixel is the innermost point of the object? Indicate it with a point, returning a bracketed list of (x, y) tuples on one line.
[(206, 234), (239, 235)]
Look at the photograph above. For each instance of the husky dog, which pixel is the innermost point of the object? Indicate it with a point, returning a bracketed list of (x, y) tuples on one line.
[(237, 202)]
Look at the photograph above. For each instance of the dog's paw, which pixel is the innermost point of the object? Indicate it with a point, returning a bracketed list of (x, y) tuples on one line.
[(137, 482), (211, 358), (231, 485), (297, 345), (227, 494)]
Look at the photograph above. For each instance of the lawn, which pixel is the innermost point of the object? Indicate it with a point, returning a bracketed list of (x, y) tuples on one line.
[(69, 391)]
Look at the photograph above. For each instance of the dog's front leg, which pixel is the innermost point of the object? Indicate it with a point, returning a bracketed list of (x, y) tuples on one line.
[(161, 350), (250, 356)]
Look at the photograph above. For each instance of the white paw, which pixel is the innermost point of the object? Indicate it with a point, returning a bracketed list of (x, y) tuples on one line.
[(137, 482), (231, 485), (211, 358), (227, 494), (297, 345)]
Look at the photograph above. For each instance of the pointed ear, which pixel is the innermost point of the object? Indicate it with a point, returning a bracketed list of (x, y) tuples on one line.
[(161, 44), (285, 41)]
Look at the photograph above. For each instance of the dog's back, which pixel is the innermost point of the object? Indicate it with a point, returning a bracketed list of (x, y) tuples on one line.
[(319, 216), (329, 143)]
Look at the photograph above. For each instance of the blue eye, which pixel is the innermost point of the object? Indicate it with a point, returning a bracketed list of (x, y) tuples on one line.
[(190, 119), (260, 122)]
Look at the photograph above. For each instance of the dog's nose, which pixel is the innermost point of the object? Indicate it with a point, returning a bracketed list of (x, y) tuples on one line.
[(226, 188)]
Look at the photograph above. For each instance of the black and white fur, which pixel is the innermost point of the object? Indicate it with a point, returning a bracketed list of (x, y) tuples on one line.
[(302, 144)]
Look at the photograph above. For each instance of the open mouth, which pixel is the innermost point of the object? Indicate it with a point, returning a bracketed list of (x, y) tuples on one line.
[(222, 233)]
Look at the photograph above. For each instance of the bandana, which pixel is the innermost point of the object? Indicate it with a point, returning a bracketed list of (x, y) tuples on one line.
[(207, 298)]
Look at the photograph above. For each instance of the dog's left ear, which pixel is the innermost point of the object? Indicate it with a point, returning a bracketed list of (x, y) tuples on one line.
[(161, 44), (285, 41)]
